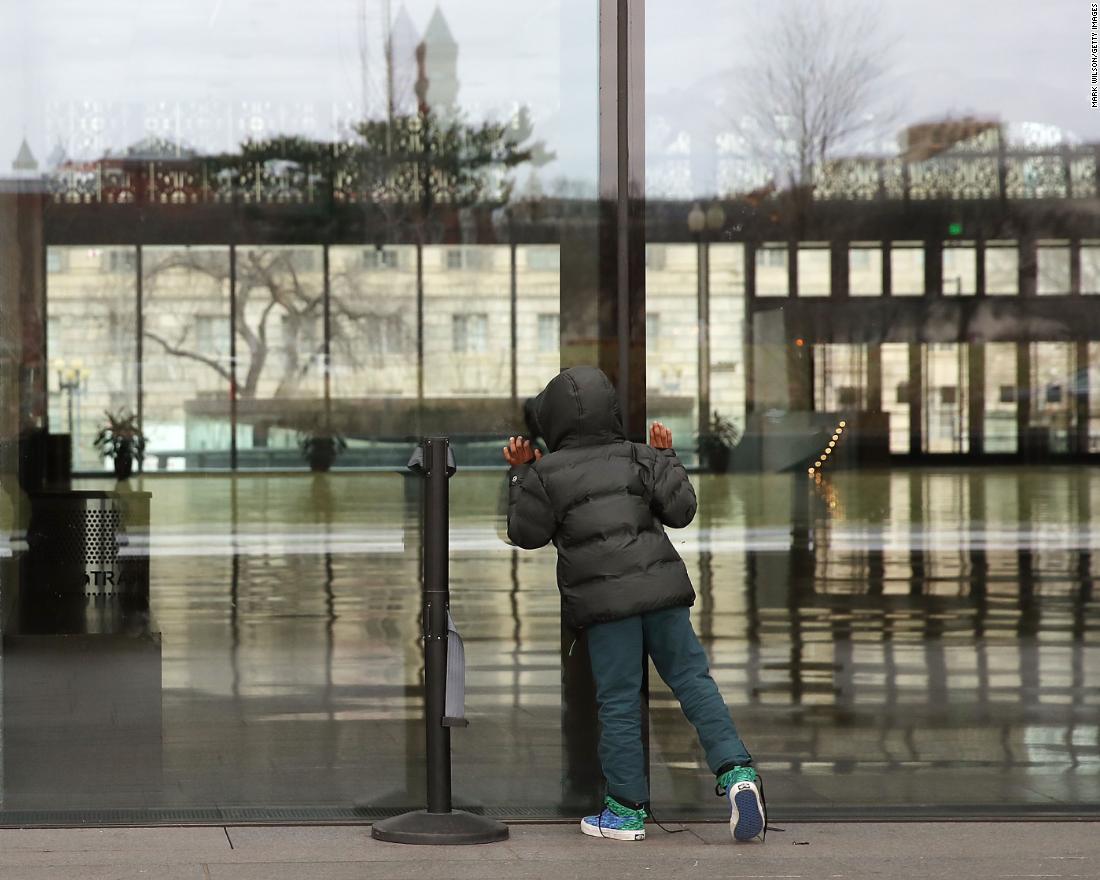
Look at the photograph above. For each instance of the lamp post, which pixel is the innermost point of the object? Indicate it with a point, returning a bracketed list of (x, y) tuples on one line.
[(70, 381)]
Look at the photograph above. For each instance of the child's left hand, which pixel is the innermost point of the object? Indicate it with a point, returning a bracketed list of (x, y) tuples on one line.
[(520, 450)]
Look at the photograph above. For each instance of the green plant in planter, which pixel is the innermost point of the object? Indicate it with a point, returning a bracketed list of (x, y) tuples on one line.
[(716, 445), (122, 441), (321, 448)]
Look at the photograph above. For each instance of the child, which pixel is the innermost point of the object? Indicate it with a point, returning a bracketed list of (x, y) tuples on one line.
[(604, 502)]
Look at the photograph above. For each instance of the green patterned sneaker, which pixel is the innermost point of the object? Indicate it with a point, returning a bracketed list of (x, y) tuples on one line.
[(748, 817), (615, 822)]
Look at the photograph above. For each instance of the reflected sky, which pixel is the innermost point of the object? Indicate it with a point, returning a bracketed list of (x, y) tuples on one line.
[(216, 71)]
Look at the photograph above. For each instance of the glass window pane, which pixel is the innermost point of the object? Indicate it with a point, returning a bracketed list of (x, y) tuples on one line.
[(187, 370), (1001, 394), (772, 271), (907, 269), (467, 321), (538, 316), (1090, 268), (280, 353), (1002, 264), (92, 300), (672, 340), (865, 270), (374, 329), (960, 273), (813, 271), (1053, 269)]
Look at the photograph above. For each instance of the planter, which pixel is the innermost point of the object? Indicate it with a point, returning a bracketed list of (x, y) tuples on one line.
[(124, 460), (717, 460)]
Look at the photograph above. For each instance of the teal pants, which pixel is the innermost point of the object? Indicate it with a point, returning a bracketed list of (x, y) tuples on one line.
[(618, 652)]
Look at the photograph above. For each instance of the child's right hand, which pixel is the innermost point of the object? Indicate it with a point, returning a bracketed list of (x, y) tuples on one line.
[(520, 450), (660, 437)]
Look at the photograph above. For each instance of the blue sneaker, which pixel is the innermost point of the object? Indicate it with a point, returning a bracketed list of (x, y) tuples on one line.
[(615, 822), (748, 818)]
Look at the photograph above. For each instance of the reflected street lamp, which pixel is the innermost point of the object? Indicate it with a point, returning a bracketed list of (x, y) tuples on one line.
[(700, 221), (70, 381)]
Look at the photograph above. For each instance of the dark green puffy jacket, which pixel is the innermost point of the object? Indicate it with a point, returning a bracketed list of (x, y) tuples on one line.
[(604, 502)]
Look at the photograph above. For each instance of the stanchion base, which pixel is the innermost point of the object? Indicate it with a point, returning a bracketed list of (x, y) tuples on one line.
[(439, 829)]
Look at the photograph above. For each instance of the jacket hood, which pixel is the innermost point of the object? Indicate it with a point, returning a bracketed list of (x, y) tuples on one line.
[(579, 407)]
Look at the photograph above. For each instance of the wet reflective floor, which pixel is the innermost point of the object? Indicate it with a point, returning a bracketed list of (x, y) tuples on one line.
[(897, 643)]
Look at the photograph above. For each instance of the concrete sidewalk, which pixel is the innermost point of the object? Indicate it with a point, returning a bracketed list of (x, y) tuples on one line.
[(974, 851)]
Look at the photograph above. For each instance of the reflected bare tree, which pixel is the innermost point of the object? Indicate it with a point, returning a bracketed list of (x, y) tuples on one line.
[(815, 85)]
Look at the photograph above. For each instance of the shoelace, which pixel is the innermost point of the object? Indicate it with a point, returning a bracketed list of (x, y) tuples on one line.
[(649, 812)]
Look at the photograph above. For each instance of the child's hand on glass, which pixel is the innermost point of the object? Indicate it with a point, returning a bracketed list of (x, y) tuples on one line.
[(660, 437), (520, 450)]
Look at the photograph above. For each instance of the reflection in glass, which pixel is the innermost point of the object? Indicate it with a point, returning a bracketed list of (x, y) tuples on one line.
[(772, 273), (813, 270), (960, 274), (92, 322), (1053, 260), (280, 351), (1001, 397), (186, 365), (672, 339), (907, 269), (1001, 268), (865, 269)]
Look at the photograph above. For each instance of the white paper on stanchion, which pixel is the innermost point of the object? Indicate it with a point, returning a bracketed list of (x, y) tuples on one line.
[(454, 712)]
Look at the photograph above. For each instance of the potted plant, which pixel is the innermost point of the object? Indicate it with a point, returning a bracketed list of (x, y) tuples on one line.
[(716, 445), (121, 440), (320, 448)]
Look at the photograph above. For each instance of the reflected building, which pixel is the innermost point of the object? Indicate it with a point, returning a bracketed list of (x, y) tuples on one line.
[(883, 381)]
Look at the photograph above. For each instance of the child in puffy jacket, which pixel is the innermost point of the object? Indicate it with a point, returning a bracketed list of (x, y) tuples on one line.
[(605, 502)]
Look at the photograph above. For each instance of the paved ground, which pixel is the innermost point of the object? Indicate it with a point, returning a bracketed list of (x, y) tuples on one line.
[(974, 851)]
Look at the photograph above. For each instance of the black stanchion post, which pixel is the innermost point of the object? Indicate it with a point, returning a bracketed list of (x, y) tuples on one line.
[(439, 824)]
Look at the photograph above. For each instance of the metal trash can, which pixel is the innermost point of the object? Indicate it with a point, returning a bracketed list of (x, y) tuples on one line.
[(88, 562)]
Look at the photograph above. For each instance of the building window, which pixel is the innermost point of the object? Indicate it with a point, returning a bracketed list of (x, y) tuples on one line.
[(865, 270), (907, 269), (1053, 269), (1090, 268), (121, 260), (467, 258), (470, 334), (772, 257), (386, 335), (1002, 268), (960, 270), (380, 258), (55, 260), (549, 333), (772, 275), (1008, 394), (949, 395), (1054, 394), (902, 394), (814, 271)]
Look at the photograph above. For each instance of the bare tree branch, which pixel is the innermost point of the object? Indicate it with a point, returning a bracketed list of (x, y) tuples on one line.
[(188, 354)]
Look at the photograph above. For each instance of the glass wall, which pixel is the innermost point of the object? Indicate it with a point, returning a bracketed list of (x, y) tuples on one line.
[(260, 275), (917, 362)]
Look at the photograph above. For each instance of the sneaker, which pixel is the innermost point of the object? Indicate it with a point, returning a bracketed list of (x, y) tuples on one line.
[(748, 818), (616, 822)]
